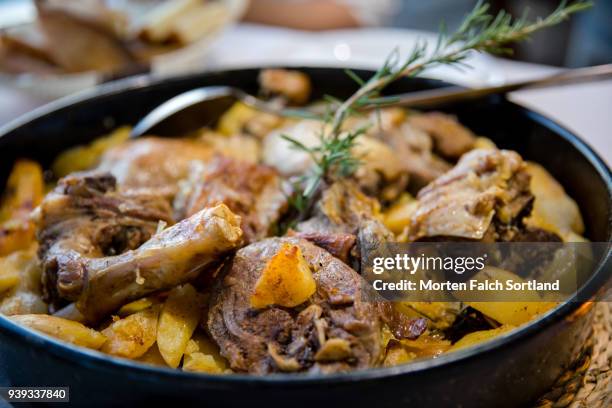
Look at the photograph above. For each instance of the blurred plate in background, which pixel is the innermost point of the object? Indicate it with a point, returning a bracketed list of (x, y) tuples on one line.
[(172, 56)]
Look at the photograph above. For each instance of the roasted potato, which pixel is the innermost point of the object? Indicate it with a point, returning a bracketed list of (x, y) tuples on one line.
[(20, 283), (513, 313), (292, 85), (233, 121), (85, 157), (529, 304), (178, 320), (153, 357), (202, 355), (132, 336), (396, 355), (137, 306), (9, 277), (285, 281), (24, 191), (426, 346), (240, 119), (67, 330), (397, 216), (553, 210), (480, 336)]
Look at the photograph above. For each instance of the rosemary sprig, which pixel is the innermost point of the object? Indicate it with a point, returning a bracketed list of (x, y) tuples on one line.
[(479, 32)]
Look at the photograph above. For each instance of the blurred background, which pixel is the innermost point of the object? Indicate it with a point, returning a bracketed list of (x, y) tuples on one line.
[(52, 48), (585, 40)]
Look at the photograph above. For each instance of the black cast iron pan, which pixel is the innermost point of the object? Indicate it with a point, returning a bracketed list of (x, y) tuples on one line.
[(512, 370)]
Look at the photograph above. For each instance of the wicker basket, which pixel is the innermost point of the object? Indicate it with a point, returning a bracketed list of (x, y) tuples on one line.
[(588, 383)]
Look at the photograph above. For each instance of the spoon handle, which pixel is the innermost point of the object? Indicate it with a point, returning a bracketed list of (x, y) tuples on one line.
[(456, 93)]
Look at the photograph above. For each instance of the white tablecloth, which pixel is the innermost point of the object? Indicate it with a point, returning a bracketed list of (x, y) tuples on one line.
[(585, 108)]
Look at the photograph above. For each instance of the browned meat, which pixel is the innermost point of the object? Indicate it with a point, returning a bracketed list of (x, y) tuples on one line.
[(292, 85), (84, 225), (254, 192), (85, 217), (342, 208), (485, 196), (171, 257), (339, 244), (450, 138), (416, 149), (338, 328), (153, 165)]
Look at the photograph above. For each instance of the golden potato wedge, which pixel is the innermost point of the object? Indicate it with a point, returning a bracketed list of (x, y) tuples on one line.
[(396, 355), (484, 143), (23, 295), (67, 330), (132, 336), (153, 357), (137, 306), (200, 362), (85, 157), (202, 355), (553, 210), (24, 191), (13, 266), (8, 278), (480, 336), (494, 303), (233, 121), (178, 320), (513, 313), (397, 217), (18, 303), (426, 346), (285, 281), (15, 236)]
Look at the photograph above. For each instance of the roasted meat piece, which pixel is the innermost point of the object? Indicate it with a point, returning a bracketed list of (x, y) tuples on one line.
[(412, 146), (171, 257), (97, 245), (342, 217), (153, 165), (85, 217), (338, 328), (254, 192), (294, 86), (451, 139), (484, 197), (415, 147), (342, 208), (339, 244)]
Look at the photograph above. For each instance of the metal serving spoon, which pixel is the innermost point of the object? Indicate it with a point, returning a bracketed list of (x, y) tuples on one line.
[(202, 106)]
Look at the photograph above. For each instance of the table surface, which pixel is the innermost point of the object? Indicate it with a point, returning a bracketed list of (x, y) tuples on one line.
[(585, 108)]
